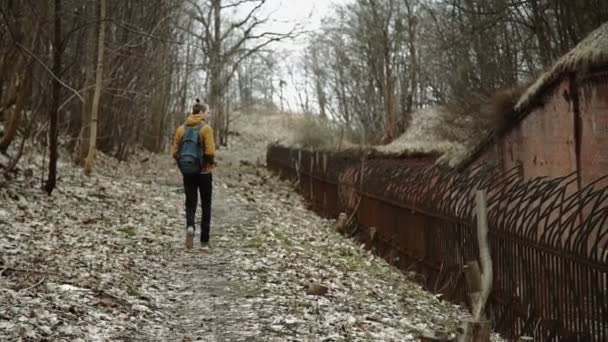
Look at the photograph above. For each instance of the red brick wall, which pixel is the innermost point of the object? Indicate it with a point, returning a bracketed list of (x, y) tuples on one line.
[(544, 141), (594, 142)]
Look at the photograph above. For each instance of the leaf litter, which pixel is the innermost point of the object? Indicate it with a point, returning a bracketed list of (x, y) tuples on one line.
[(103, 259)]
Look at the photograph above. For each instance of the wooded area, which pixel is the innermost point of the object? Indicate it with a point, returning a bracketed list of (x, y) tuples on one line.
[(462, 141), (102, 77), (116, 76), (375, 62)]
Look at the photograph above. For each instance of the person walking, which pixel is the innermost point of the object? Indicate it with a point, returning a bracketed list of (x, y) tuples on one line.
[(194, 152)]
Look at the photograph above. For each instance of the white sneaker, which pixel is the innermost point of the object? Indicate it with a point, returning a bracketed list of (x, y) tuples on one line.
[(189, 237)]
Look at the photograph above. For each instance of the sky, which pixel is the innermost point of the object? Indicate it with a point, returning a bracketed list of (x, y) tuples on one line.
[(307, 12), (286, 13)]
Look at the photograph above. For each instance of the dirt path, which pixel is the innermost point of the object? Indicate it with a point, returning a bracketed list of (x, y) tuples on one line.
[(266, 250), (212, 304), (103, 260)]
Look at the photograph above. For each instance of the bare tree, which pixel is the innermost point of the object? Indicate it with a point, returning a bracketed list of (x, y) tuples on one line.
[(370, 65), (384, 59), (54, 108), (88, 168), (16, 71), (228, 42), (84, 136), (142, 61)]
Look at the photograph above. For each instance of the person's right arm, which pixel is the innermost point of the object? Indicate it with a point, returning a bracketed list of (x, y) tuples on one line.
[(209, 146)]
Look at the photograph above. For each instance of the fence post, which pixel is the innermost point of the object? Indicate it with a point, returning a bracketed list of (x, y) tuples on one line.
[(472, 276), (310, 180), (478, 329), (298, 165), (484, 253)]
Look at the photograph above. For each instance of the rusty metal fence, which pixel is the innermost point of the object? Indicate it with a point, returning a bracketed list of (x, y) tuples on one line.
[(548, 238)]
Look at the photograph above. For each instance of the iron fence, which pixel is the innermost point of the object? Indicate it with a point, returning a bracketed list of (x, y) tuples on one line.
[(548, 238)]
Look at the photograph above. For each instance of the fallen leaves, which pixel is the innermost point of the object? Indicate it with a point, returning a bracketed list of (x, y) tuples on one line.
[(103, 259), (75, 265)]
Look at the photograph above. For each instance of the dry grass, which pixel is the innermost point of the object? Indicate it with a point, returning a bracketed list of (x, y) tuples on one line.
[(500, 107), (450, 132), (267, 127), (297, 130), (312, 132), (454, 131), (433, 131)]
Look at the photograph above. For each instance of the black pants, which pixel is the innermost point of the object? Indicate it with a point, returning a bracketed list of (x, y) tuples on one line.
[(193, 184)]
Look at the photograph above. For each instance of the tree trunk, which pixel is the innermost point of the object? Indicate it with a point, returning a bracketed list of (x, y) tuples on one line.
[(389, 94), (319, 83), (23, 93), (7, 62), (391, 122), (88, 169), (227, 117), (216, 95), (412, 27), (216, 105), (185, 80), (544, 46), (82, 147), (5, 107), (54, 108)]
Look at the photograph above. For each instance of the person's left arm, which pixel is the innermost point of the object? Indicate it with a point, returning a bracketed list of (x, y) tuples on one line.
[(209, 146)]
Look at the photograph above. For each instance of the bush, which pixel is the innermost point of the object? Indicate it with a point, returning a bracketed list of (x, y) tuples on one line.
[(313, 132)]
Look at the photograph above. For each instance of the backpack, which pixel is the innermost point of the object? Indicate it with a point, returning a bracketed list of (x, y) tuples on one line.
[(190, 155)]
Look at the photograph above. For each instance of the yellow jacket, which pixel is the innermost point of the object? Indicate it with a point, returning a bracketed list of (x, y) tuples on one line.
[(206, 138)]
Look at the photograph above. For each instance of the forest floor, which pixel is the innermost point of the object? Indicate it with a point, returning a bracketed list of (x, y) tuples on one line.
[(103, 259)]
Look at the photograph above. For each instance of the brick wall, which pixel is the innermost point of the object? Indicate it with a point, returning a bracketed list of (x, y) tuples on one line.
[(594, 143), (544, 141)]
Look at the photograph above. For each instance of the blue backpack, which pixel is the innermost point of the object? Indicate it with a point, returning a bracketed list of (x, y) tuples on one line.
[(190, 155)]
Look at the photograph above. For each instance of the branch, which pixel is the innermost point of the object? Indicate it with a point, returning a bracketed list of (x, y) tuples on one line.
[(272, 37), (257, 48), (65, 103), (50, 72), (249, 16), (151, 36), (238, 3), (205, 19), (33, 286)]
